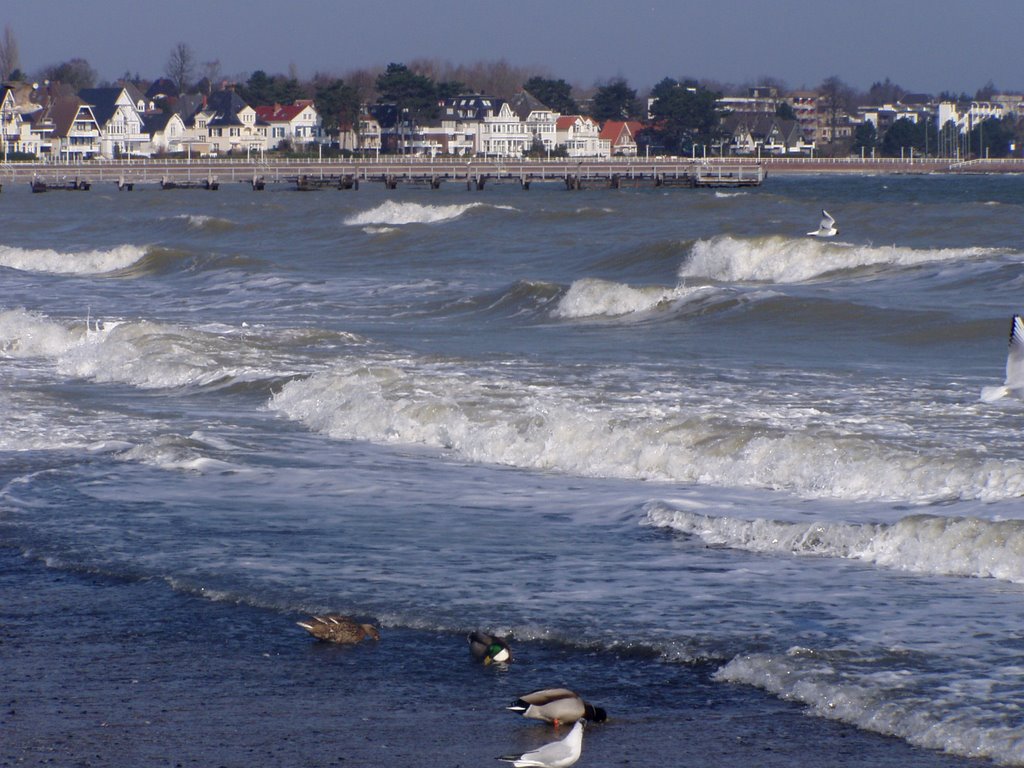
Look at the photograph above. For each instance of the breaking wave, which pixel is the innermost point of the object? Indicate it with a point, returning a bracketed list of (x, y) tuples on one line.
[(778, 259), (591, 297), (142, 353), (887, 702), (95, 262), (393, 213), (929, 544), (491, 418)]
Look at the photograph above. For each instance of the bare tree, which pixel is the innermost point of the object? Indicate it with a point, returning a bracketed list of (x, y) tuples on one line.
[(212, 72), (835, 99), (8, 54), (181, 65)]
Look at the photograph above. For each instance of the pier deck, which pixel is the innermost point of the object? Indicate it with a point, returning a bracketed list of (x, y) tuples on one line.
[(475, 173), (350, 174)]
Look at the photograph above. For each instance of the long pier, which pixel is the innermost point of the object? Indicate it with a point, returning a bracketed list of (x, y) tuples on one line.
[(308, 175), (474, 174)]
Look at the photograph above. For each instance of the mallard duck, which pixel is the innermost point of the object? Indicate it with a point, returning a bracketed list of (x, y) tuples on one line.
[(557, 705), (488, 648), (556, 754), (334, 628)]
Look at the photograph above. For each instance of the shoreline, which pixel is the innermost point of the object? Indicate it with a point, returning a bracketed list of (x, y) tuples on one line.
[(136, 673)]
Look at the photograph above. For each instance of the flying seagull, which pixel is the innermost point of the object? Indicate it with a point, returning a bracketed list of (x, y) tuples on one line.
[(557, 705), (556, 754), (334, 628), (1014, 383), (827, 227)]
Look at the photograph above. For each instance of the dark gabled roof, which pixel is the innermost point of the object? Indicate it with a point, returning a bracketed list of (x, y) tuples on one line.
[(524, 102), (225, 104), (762, 124), (63, 112), (162, 87), (155, 122), (103, 102), (473, 106), (187, 105)]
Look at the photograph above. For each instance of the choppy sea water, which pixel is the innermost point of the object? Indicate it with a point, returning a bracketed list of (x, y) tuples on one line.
[(641, 421)]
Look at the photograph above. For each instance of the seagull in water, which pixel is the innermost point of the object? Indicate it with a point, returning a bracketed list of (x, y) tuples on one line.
[(556, 754), (827, 227), (557, 705), (1014, 383)]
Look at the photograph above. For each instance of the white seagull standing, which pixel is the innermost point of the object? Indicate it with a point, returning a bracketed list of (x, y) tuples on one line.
[(1014, 383), (827, 227), (556, 754)]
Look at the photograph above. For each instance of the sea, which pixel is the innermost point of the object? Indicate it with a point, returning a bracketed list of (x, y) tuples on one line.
[(698, 466)]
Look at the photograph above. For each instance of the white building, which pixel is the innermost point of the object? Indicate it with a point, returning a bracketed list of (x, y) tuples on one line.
[(118, 117), (228, 124), (581, 137), (166, 132), (965, 120), (297, 123), (541, 121), (502, 133)]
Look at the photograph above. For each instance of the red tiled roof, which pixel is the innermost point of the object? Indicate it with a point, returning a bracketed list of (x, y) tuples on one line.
[(279, 113)]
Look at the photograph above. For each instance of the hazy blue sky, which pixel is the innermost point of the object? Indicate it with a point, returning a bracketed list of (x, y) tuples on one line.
[(924, 46)]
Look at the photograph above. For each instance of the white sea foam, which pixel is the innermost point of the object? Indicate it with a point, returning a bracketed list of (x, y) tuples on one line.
[(493, 419), (591, 297), (889, 702), (395, 214), (786, 260), (203, 221), (930, 544), (144, 354), (95, 262)]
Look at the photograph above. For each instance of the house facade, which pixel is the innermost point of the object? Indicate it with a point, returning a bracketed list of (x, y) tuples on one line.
[(541, 122), (166, 133), (68, 127), (580, 136), (621, 137), (228, 124), (16, 126), (764, 133), (298, 123), (119, 121), (502, 133)]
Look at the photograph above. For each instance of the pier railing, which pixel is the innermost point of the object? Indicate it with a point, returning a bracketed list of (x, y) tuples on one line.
[(746, 170)]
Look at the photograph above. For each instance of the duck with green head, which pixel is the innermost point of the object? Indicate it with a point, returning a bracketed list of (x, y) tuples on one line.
[(489, 648)]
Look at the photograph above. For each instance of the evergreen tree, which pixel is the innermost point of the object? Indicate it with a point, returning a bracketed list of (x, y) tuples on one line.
[(615, 101), (685, 115), (554, 94), (414, 95)]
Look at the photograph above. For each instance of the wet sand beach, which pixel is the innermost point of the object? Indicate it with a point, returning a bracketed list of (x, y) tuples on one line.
[(101, 671)]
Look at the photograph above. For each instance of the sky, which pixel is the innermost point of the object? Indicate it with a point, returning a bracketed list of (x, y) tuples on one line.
[(934, 46)]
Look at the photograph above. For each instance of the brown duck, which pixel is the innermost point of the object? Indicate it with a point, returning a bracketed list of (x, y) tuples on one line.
[(335, 628)]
